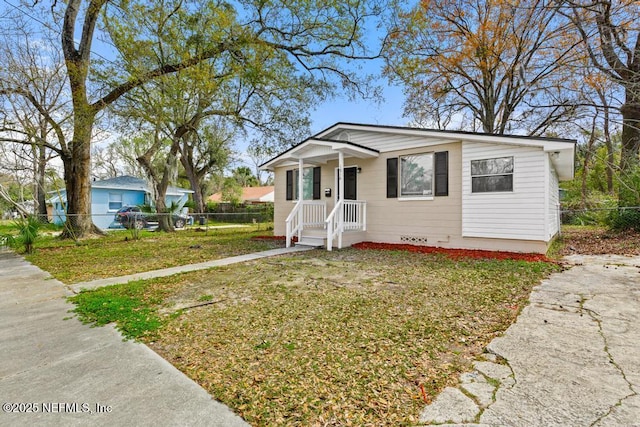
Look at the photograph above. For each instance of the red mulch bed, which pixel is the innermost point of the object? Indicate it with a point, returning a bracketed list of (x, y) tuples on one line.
[(455, 254)]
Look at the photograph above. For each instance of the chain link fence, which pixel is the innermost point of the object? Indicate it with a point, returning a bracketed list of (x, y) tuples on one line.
[(233, 214), (240, 213), (623, 218)]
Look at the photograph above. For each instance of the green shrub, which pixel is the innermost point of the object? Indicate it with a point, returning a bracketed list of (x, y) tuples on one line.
[(624, 219), (27, 232)]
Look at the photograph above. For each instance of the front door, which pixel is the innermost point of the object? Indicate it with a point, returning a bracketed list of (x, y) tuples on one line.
[(350, 183), (350, 193)]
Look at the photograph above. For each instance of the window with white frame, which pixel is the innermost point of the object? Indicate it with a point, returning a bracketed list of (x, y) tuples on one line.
[(307, 184), (492, 175), (416, 176), (115, 201)]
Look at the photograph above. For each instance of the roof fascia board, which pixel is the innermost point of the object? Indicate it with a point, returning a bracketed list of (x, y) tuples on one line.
[(443, 134), (331, 143)]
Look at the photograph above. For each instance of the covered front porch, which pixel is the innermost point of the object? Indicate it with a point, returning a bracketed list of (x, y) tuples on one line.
[(323, 216)]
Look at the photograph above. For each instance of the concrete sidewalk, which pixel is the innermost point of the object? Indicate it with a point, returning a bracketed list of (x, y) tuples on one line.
[(57, 372), (571, 359), (93, 284)]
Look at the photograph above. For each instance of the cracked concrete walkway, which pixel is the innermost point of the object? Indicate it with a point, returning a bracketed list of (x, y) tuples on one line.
[(571, 358), (56, 371)]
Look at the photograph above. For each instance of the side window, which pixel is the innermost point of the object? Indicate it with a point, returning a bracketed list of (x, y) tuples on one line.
[(115, 201), (492, 175), (310, 184)]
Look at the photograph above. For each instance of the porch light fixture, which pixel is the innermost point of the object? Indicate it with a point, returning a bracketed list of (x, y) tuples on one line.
[(359, 170)]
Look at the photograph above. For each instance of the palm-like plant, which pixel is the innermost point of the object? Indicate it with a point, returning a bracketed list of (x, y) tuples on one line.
[(28, 231)]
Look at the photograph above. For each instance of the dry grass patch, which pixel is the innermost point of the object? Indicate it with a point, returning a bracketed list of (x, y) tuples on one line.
[(341, 338), (118, 255), (592, 240)]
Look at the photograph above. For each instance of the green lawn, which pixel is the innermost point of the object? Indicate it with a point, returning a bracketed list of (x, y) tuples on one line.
[(347, 337)]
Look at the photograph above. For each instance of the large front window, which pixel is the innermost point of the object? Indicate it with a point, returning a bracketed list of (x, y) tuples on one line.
[(307, 184), (416, 176), (492, 175)]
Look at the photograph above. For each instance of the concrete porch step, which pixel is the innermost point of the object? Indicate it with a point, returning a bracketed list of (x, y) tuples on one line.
[(314, 232), (313, 241)]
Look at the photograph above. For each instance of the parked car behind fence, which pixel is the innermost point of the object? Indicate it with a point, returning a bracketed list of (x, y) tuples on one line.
[(135, 217)]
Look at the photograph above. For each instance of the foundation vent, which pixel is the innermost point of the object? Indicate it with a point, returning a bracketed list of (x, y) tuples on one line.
[(414, 240)]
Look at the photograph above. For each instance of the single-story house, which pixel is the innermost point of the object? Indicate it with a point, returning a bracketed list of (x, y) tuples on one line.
[(423, 187), (109, 195), (262, 194)]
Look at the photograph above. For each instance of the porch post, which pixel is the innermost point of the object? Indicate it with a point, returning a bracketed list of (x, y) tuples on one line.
[(340, 196), (300, 172), (341, 176), (300, 198)]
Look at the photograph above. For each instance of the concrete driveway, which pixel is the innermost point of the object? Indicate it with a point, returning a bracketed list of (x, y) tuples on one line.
[(571, 359), (57, 372)]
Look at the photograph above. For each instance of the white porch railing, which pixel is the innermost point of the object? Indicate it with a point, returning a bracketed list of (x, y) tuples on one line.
[(347, 215), (305, 214), (355, 215)]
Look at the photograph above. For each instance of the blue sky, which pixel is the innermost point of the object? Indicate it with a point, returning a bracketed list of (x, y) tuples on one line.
[(341, 109), (388, 112)]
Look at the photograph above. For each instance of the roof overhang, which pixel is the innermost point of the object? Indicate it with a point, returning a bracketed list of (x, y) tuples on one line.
[(321, 148), (317, 151), (561, 151), (563, 161)]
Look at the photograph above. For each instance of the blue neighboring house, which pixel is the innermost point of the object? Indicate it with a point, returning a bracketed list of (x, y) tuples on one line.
[(109, 195)]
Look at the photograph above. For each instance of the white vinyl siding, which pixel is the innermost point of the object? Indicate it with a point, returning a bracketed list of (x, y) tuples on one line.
[(553, 220), (386, 142), (519, 214)]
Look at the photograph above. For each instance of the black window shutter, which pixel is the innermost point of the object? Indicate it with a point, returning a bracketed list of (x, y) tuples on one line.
[(289, 185), (316, 183), (392, 178), (442, 173)]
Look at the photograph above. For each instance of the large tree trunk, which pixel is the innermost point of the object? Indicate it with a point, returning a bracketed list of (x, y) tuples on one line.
[(41, 173), (161, 184), (77, 177), (195, 179), (41, 196), (77, 180), (164, 223)]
